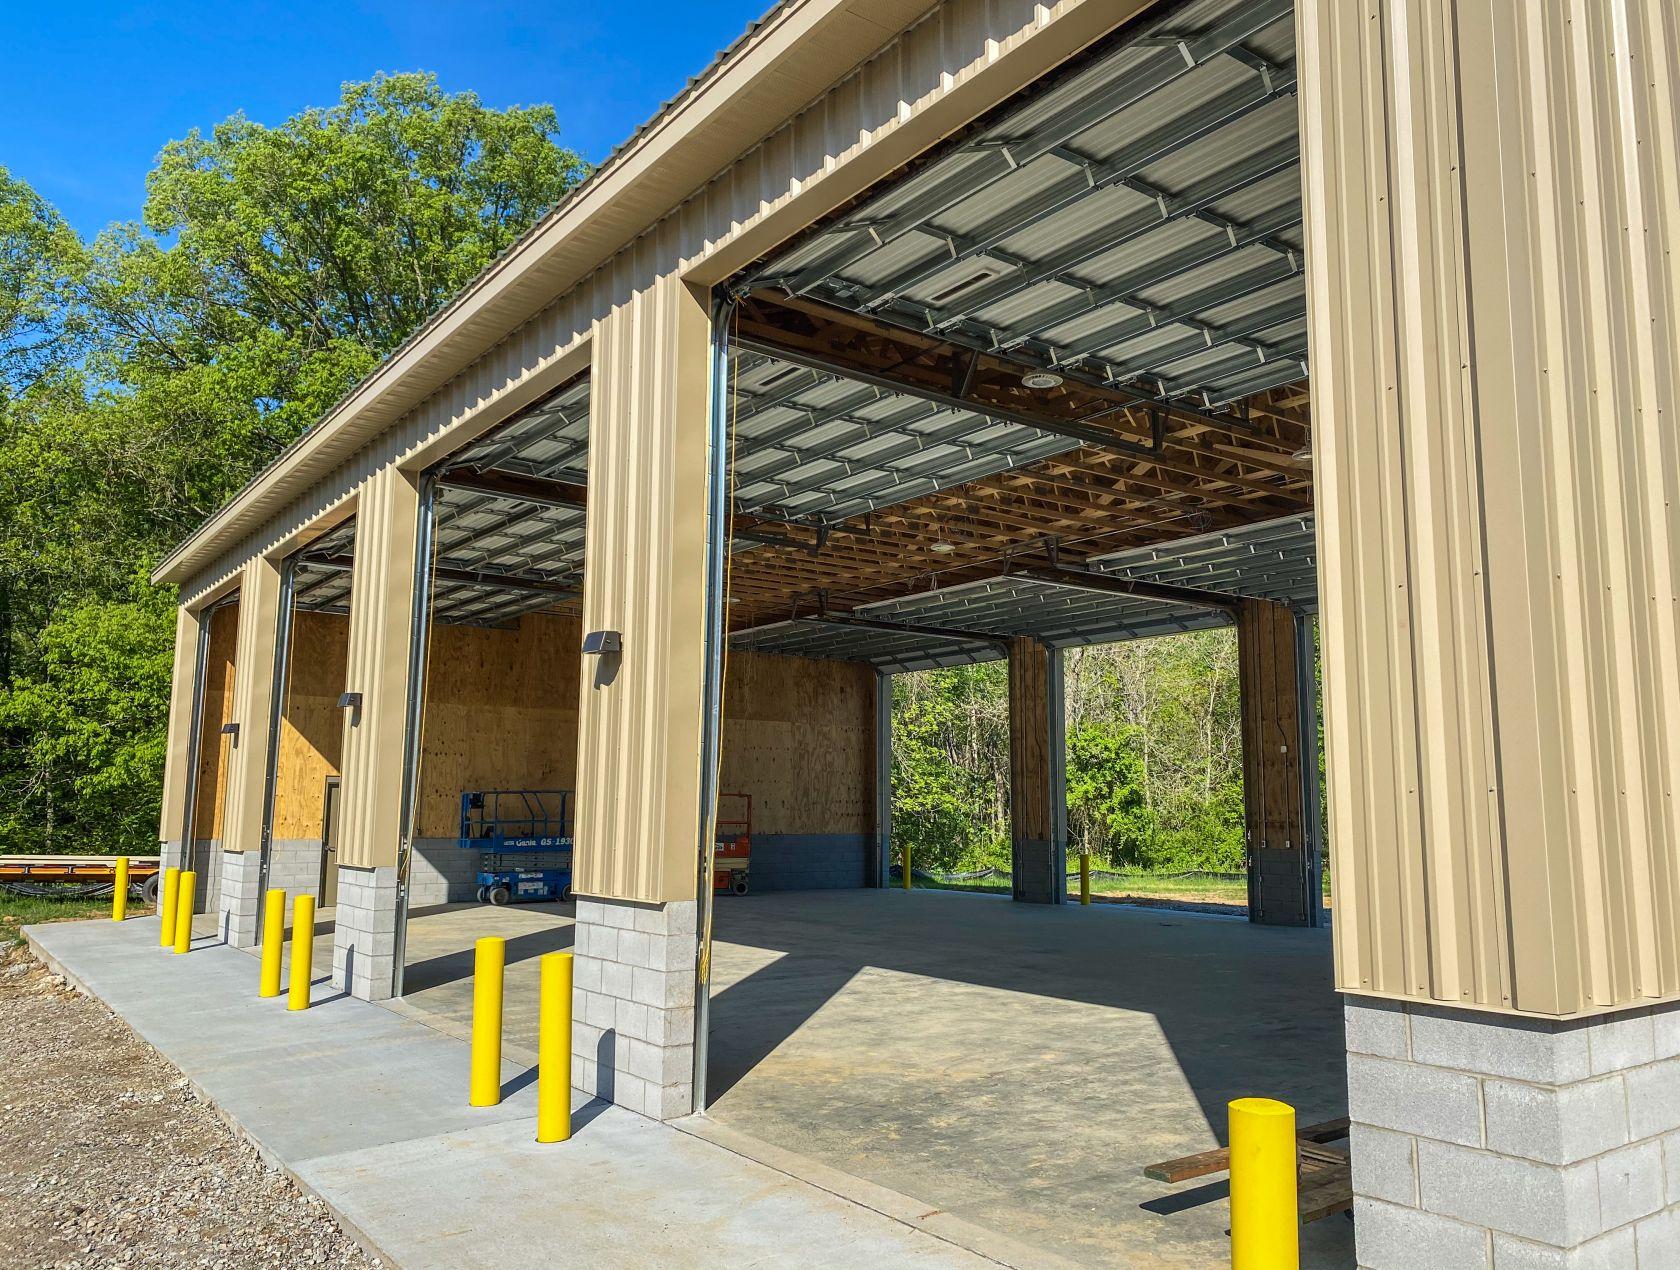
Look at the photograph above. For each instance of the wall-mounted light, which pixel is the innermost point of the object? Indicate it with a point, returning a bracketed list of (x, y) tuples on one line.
[(351, 701), (600, 643), (231, 730)]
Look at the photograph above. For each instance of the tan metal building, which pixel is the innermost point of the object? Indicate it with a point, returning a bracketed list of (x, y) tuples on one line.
[(1078, 257)]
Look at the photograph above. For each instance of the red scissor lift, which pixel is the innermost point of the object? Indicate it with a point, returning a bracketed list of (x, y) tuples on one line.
[(732, 852)]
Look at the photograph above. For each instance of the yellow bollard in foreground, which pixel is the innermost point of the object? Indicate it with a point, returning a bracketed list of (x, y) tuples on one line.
[(1084, 877), (303, 952), (484, 1083), (184, 910), (907, 866), (1265, 1222), (273, 939), (119, 891), (166, 908), (554, 1049)]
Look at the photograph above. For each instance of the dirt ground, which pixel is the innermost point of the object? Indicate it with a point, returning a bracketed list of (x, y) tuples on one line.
[(107, 1158)]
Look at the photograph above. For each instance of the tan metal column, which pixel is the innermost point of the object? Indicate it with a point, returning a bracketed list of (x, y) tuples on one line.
[(180, 754), (1280, 872), (1493, 226), (376, 668), (639, 716), (253, 680)]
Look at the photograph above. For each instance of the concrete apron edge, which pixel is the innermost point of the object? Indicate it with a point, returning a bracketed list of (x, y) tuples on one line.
[(268, 1156), (891, 1204)]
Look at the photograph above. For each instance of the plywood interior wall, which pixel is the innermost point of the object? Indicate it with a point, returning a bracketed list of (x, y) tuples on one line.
[(218, 709), (799, 736), (311, 723), (501, 713)]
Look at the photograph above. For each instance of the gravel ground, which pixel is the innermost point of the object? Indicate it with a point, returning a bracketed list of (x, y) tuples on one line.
[(108, 1158)]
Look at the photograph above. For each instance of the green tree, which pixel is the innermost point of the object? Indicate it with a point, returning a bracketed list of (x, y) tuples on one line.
[(145, 377)]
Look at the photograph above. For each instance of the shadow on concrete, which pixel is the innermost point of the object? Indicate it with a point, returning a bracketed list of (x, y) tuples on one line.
[(453, 966), (1245, 1009)]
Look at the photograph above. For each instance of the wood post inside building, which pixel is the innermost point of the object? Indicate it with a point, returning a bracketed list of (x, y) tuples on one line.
[(1037, 767), (1279, 732)]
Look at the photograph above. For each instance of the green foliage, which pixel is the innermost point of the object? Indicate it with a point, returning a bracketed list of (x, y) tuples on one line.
[(145, 377), (1154, 758)]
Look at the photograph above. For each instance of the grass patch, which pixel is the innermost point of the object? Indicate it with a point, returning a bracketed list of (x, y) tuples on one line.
[(18, 911)]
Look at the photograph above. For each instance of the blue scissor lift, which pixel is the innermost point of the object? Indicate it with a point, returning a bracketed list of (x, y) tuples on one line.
[(524, 842)]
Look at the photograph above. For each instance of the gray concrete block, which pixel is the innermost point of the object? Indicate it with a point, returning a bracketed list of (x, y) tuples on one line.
[(631, 1020), (1542, 1202), (1630, 1184), (633, 947), (1619, 1042), (1383, 1165), (1671, 1166), (1500, 1045), (1614, 1251), (1410, 1098), (671, 1101), (1377, 1027), (1653, 1098), (1555, 1124), (1658, 1240), (1665, 1031), (586, 974), (617, 979), (1390, 1237)]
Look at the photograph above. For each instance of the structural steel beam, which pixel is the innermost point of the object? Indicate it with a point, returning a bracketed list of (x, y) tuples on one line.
[(909, 628), (1166, 592)]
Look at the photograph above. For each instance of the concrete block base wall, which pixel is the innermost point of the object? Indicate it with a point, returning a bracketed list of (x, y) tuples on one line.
[(633, 1021), (206, 862), (294, 866), (440, 872), (365, 932), (1482, 1140), (238, 899), (809, 861), (1034, 868)]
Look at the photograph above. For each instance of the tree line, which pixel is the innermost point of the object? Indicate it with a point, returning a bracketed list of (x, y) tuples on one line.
[(1154, 757), (147, 374)]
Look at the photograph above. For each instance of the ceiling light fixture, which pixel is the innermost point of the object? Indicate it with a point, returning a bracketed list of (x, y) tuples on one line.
[(1041, 379), (943, 548)]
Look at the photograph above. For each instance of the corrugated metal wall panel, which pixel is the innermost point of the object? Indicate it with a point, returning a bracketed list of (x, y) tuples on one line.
[(253, 680), (1493, 224), (376, 665), (639, 714)]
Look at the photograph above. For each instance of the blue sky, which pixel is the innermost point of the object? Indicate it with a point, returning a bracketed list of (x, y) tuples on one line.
[(95, 89)]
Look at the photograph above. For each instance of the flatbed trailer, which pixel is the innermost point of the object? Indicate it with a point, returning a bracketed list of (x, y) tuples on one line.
[(77, 875)]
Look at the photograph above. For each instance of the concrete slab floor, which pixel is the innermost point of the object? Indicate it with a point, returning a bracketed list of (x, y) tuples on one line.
[(1013, 1065), (367, 1109)]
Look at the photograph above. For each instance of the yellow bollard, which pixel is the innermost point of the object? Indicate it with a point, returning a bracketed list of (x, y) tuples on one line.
[(907, 866), (1265, 1221), (166, 911), (1084, 877), (484, 1084), (273, 940), (119, 891), (303, 952), (184, 910), (554, 1049)]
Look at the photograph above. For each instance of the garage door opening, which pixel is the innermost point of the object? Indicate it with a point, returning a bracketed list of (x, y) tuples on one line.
[(1044, 390)]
